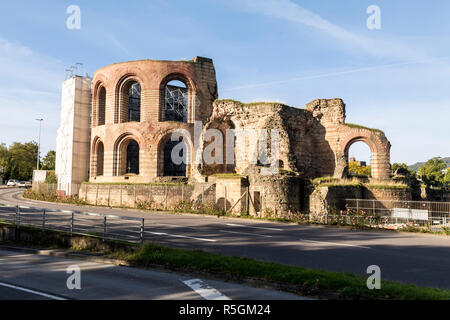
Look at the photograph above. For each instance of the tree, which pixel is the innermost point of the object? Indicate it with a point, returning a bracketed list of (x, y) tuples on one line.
[(447, 178), (402, 169), (48, 163), (22, 160), (355, 169), (432, 173), (51, 178), (4, 160)]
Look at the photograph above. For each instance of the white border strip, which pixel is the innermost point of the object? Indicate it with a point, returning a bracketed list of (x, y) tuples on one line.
[(247, 234), (204, 290), (31, 291), (335, 244), (244, 226), (179, 236)]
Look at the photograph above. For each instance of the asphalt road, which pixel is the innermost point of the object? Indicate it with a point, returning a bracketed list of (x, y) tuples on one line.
[(35, 277), (408, 257)]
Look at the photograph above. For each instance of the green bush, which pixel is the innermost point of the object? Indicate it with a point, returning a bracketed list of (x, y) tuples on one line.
[(53, 197)]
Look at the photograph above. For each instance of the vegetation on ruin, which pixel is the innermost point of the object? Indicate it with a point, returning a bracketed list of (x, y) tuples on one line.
[(227, 175), (336, 182), (386, 185), (357, 126), (137, 184), (240, 103)]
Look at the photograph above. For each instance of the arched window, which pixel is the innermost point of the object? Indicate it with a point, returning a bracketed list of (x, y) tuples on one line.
[(101, 103), (132, 163), (126, 156), (128, 105), (176, 101), (100, 158), (174, 165), (134, 102)]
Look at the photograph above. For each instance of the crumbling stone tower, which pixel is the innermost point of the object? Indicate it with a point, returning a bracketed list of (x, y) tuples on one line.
[(339, 136), (314, 142)]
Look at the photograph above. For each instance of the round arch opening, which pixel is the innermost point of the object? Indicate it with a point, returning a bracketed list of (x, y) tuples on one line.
[(358, 155)]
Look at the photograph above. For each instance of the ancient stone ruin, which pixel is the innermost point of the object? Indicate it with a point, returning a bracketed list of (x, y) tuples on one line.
[(122, 135)]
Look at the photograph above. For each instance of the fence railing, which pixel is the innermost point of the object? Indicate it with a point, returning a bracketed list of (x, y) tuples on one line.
[(400, 211), (130, 229)]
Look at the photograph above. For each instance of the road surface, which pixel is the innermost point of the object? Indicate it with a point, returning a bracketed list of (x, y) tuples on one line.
[(26, 276), (407, 257)]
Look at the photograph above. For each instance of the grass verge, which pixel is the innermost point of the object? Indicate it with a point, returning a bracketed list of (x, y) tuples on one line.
[(304, 281)]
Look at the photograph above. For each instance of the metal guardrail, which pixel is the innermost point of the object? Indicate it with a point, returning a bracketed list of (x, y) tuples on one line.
[(130, 229), (402, 211)]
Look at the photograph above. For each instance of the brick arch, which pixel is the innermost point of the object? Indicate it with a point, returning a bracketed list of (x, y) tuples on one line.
[(191, 87), (228, 156), (98, 157), (121, 96), (120, 149), (379, 152), (160, 152)]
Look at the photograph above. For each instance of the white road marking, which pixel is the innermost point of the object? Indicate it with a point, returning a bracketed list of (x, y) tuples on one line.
[(31, 291), (179, 236), (247, 234), (204, 290), (335, 244), (263, 228)]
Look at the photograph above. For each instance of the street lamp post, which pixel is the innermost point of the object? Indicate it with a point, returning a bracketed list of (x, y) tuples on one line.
[(39, 144)]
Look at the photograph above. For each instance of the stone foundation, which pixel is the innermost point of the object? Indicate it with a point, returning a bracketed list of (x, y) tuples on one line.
[(324, 199)]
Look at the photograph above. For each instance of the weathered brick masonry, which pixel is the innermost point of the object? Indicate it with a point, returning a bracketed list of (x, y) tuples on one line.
[(313, 142)]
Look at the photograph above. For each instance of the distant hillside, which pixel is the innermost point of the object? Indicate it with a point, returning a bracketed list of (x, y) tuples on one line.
[(417, 165)]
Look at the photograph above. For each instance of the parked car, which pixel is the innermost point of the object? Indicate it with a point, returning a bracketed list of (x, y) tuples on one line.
[(12, 183), (28, 184), (21, 184)]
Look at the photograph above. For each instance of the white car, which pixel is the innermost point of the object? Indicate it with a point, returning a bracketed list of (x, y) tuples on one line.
[(12, 183)]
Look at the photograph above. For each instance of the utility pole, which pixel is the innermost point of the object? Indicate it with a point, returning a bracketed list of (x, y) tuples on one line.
[(39, 143)]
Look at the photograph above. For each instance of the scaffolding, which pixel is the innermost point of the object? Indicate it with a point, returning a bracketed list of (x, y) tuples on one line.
[(73, 135)]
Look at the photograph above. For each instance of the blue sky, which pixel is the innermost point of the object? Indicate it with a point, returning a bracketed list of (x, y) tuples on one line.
[(293, 51)]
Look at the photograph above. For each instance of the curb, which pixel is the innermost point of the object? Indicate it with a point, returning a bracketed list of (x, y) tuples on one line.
[(65, 254)]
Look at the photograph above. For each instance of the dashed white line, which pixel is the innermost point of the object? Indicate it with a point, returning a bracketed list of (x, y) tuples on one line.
[(262, 228), (204, 290), (179, 236), (42, 294), (247, 234), (336, 244)]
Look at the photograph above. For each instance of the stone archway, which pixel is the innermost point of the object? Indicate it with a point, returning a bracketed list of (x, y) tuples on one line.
[(226, 147), (127, 154), (166, 166), (379, 152)]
